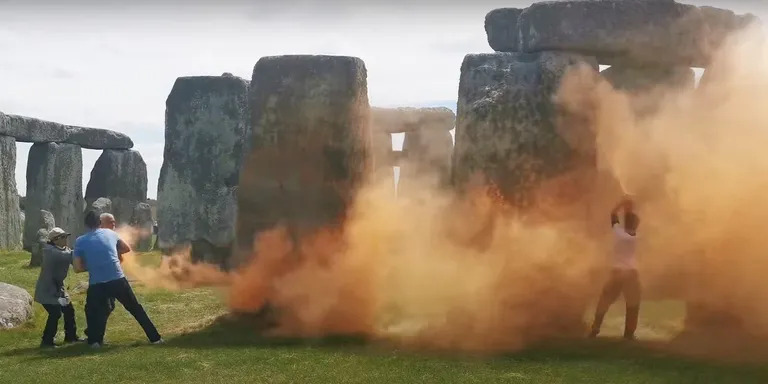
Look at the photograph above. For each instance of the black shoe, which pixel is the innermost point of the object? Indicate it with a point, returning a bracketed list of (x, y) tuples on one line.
[(75, 340)]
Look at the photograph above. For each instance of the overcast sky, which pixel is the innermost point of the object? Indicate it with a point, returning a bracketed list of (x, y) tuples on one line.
[(111, 64)]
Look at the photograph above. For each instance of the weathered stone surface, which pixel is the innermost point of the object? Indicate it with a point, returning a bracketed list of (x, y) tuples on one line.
[(646, 84), (619, 31), (10, 221), (398, 120), (506, 123), (47, 222), (55, 184), (142, 220), (207, 135), (120, 176), (101, 205), (33, 130), (311, 144), (15, 306), (502, 30), (427, 159)]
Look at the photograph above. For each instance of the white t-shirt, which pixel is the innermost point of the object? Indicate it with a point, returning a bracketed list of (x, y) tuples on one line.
[(623, 249)]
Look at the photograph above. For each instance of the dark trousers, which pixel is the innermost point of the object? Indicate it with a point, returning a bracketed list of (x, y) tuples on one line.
[(110, 308), (52, 324), (626, 282), (98, 302)]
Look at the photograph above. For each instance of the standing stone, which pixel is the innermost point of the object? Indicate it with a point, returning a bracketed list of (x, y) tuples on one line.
[(55, 184), (506, 128), (47, 222), (11, 223), (142, 220), (206, 136), (101, 205), (427, 152), (311, 145), (121, 177), (15, 306), (661, 32)]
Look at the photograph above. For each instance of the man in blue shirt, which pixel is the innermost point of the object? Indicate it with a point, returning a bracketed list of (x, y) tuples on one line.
[(99, 252)]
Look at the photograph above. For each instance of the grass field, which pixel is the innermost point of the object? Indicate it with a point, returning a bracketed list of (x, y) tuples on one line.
[(203, 348)]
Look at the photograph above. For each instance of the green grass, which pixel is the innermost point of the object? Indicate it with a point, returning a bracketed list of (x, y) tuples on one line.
[(205, 348)]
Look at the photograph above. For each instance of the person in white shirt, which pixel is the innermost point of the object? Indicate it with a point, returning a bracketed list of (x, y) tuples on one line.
[(624, 278)]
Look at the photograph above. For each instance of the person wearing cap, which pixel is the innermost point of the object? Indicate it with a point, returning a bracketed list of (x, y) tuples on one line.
[(50, 291), (99, 252)]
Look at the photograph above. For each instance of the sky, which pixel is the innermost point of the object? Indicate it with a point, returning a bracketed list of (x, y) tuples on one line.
[(111, 64)]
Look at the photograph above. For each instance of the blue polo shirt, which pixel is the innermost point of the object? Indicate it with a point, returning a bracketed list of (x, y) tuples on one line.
[(98, 251)]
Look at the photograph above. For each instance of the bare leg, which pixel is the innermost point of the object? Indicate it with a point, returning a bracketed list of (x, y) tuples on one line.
[(611, 292), (632, 295)]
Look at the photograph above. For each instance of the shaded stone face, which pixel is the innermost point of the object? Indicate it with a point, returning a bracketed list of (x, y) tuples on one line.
[(647, 85), (660, 32), (141, 219), (27, 129), (502, 29), (55, 184), (11, 223), (427, 158), (506, 130), (120, 176), (206, 137), (311, 143)]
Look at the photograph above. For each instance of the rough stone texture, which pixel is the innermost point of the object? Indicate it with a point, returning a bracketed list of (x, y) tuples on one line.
[(55, 184), (142, 220), (120, 176), (33, 130), (398, 120), (15, 306), (502, 30), (46, 222), (646, 84), (427, 159), (101, 205), (10, 221), (311, 145), (207, 134), (506, 125), (619, 31)]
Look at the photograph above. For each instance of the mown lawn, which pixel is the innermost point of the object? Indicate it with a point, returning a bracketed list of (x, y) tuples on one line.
[(205, 348)]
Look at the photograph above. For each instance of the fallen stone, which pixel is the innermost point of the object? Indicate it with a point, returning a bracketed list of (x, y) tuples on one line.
[(502, 29), (506, 130), (15, 306), (46, 222), (311, 145), (11, 223), (55, 184), (142, 221), (121, 177), (207, 135), (27, 129), (660, 32)]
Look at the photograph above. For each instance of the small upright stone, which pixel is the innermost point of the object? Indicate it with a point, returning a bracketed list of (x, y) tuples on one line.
[(47, 222), (142, 221), (311, 145)]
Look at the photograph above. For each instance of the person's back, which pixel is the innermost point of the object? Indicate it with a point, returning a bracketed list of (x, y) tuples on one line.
[(98, 250)]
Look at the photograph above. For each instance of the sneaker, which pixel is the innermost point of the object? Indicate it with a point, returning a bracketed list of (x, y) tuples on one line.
[(75, 340), (630, 338), (593, 334), (157, 342), (95, 346)]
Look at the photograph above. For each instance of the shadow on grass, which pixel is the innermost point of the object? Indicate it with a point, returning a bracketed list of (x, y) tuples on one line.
[(252, 331)]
